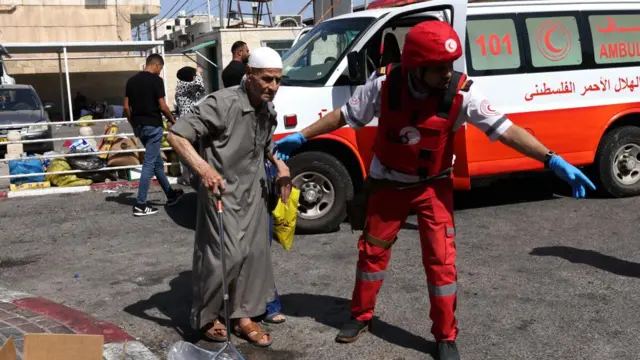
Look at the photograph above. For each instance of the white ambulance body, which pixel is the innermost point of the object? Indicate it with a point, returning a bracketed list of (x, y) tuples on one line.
[(564, 70)]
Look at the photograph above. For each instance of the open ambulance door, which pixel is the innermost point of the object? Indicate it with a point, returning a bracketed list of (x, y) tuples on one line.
[(367, 55)]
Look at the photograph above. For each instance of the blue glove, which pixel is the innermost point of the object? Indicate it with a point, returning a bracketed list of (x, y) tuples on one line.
[(289, 144), (572, 175)]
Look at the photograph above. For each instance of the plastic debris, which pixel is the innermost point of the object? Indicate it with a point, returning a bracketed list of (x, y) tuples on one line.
[(187, 351)]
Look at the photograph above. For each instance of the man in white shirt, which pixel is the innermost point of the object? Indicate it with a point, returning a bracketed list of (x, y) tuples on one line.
[(419, 105)]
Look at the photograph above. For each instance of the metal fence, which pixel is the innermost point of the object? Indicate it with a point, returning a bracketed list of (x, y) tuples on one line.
[(76, 123)]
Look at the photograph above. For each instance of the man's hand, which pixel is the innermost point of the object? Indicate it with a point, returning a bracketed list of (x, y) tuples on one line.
[(212, 180), (572, 175), (209, 176), (519, 139), (284, 181), (289, 144)]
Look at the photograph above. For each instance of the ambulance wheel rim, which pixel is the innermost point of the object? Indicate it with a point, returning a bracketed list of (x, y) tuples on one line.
[(626, 164), (317, 194)]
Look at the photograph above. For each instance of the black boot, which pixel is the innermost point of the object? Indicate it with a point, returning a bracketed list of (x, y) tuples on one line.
[(352, 329), (447, 350)]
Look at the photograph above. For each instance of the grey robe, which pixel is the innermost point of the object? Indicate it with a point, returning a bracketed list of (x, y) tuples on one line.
[(234, 140)]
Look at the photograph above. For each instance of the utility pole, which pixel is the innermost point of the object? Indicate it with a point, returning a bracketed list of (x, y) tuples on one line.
[(366, 3), (209, 12), (221, 8)]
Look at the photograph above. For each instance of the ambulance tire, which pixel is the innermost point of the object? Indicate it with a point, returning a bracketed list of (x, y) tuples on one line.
[(612, 142), (334, 171)]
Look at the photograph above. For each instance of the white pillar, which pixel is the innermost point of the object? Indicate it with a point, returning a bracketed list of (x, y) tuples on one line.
[(64, 106), (164, 77), (221, 8), (66, 70), (209, 12)]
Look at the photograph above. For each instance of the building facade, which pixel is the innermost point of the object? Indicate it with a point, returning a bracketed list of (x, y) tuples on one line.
[(73, 20)]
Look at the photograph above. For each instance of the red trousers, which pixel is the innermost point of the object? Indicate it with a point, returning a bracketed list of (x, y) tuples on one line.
[(387, 210)]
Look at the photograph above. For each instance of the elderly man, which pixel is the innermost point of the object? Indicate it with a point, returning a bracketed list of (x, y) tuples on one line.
[(236, 129)]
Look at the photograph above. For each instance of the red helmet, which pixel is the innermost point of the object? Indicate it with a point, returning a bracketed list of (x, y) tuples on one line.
[(430, 43)]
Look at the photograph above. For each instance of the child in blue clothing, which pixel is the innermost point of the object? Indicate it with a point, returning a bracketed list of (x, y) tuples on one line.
[(274, 308)]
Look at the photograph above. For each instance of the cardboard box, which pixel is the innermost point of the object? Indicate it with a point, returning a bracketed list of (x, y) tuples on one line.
[(55, 347)]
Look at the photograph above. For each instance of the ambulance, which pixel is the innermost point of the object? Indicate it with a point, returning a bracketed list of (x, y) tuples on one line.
[(564, 70)]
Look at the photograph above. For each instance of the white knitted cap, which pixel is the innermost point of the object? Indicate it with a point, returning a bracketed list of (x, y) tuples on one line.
[(265, 58)]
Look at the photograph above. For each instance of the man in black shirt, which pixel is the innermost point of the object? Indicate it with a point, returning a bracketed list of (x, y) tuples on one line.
[(144, 104), (233, 73)]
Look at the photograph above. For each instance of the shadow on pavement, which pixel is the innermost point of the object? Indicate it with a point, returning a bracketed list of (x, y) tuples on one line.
[(592, 258), (129, 199), (333, 311), (185, 212), (174, 304), (515, 190)]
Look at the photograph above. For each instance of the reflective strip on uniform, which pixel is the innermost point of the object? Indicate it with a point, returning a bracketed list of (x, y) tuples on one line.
[(451, 231), (367, 276), (495, 126), (378, 242), (442, 290)]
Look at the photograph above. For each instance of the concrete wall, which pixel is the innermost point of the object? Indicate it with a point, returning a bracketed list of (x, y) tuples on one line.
[(253, 38), (72, 20), (225, 39), (99, 79)]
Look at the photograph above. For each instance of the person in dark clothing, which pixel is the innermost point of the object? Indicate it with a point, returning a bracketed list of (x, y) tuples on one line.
[(144, 104), (233, 73)]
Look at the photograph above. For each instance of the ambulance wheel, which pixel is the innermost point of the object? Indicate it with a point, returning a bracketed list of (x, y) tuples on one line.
[(618, 161), (325, 186)]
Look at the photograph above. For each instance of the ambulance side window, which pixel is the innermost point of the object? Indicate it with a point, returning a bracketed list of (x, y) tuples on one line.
[(616, 38), (553, 41), (492, 46)]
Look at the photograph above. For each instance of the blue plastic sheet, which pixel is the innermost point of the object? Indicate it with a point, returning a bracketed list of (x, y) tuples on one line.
[(25, 166)]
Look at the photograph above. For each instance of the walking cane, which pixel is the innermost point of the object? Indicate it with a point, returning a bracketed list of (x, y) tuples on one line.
[(225, 291)]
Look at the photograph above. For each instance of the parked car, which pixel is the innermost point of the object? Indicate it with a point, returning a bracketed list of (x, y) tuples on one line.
[(20, 104)]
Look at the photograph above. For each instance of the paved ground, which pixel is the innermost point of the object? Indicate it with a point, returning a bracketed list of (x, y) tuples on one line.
[(22, 314), (541, 276)]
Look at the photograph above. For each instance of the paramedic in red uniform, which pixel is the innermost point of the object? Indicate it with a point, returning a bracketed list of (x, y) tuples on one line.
[(420, 104)]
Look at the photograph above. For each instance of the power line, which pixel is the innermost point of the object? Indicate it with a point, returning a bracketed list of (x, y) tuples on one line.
[(167, 18)]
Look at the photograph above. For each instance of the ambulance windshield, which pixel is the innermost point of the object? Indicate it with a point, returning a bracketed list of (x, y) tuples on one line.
[(312, 59)]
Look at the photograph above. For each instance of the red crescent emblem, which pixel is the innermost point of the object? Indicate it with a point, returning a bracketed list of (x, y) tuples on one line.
[(546, 47), (486, 110)]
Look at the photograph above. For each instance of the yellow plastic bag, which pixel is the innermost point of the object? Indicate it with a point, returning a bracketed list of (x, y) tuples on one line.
[(284, 219), (165, 127), (60, 164)]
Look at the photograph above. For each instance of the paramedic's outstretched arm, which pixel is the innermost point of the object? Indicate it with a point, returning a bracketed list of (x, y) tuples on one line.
[(477, 110), (357, 112), (519, 139), (328, 123), (206, 119)]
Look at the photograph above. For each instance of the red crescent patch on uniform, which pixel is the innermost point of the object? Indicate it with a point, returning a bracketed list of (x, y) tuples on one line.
[(354, 101), (486, 110)]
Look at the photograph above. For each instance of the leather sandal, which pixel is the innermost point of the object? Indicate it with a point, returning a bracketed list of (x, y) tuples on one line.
[(213, 332), (253, 334), (271, 318)]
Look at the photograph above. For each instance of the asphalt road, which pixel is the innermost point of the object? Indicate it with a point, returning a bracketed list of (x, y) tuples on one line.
[(541, 276)]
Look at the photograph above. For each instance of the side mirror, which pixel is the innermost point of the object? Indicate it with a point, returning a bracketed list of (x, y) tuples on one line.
[(353, 67)]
